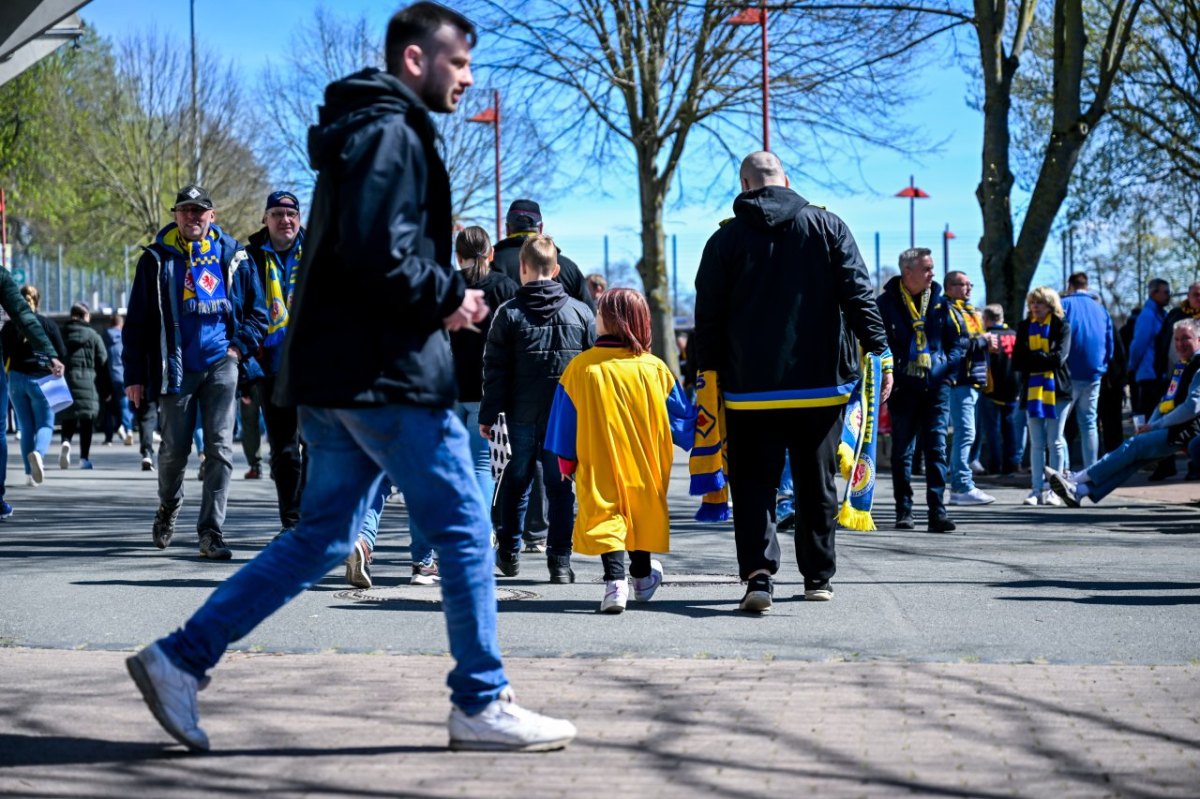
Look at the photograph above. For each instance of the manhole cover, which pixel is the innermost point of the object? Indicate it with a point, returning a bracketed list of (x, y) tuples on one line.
[(681, 580), (420, 593)]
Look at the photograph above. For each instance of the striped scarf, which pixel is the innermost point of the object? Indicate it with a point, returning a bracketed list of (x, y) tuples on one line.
[(1188, 310), (1040, 397), (860, 436), (919, 359), (707, 464), (1168, 401), (279, 302), (203, 283)]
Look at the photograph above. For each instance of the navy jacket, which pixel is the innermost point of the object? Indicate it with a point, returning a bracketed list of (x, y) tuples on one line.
[(376, 283), (153, 354), (946, 346)]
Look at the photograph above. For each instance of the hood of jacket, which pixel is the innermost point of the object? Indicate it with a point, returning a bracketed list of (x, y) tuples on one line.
[(542, 299), (357, 100), (895, 286), (768, 207), (262, 238)]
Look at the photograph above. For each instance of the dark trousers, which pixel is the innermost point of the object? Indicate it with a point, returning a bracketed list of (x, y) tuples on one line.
[(1110, 410), (614, 564), (84, 426), (998, 427), (1149, 394), (147, 420), (287, 456), (918, 420), (527, 450), (758, 442)]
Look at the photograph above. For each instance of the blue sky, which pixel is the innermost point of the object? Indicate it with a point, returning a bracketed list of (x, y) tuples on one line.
[(251, 32)]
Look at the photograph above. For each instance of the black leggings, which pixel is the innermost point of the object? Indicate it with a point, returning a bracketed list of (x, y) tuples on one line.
[(614, 564), (84, 426)]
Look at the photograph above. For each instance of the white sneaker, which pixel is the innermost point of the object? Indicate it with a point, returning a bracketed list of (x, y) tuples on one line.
[(1065, 488), (156, 437), (128, 438), (170, 693), (1050, 498), (977, 467), (64, 456), (29, 481), (505, 726), (1032, 499), (644, 587), (972, 497), (36, 470), (616, 594)]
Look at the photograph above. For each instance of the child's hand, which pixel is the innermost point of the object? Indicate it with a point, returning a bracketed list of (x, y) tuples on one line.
[(485, 430)]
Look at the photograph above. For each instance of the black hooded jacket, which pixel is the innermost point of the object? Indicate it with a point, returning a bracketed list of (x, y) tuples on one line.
[(467, 345), (533, 338), (782, 297), (508, 260), (366, 325)]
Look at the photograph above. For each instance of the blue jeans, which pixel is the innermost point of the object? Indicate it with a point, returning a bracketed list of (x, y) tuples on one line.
[(481, 458), (1119, 465), (418, 548), (426, 452), (998, 427), (1045, 433), (34, 417), (785, 499), (962, 416), (526, 441), (3, 433), (1086, 398)]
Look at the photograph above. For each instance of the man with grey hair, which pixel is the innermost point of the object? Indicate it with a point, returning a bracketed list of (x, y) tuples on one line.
[(783, 301), (1174, 423), (929, 351)]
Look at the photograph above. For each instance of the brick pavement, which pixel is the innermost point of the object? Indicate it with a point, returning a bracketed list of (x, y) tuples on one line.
[(71, 724)]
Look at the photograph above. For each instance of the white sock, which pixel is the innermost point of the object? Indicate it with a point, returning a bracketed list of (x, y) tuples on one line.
[(1081, 477)]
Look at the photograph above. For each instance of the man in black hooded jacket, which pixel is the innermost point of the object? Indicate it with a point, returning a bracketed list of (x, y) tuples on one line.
[(782, 300), (367, 361)]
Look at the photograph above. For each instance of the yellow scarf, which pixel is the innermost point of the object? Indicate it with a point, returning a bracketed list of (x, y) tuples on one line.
[(919, 358), (1040, 398), (1168, 403), (707, 464)]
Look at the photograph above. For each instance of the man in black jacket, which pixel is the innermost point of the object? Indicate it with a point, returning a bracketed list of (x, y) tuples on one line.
[(929, 352), (524, 219), (533, 338), (781, 295), (276, 251), (367, 360)]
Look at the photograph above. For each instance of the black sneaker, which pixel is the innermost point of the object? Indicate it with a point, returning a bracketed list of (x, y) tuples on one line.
[(759, 589), (941, 523), (509, 563), (818, 592), (561, 572), (164, 525), (904, 520), (212, 546), (533, 542)]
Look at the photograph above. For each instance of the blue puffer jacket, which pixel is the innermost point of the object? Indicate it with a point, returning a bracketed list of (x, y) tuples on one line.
[(153, 346), (1141, 349), (946, 346)]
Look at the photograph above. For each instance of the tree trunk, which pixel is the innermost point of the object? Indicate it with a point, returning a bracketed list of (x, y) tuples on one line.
[(653, 266)]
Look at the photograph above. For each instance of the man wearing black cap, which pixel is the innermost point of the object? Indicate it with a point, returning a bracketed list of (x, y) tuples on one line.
[(276, 252), (195, 313), (524, 219)]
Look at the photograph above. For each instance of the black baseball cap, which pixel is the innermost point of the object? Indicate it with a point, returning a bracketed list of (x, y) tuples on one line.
[(192, 194), (523, 215), (282, 199)]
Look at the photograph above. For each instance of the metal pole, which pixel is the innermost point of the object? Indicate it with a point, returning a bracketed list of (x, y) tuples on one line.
[(606, 278), (766, 82), (4, 231), (1141, 283), (496, 97), (946, 252), (675, 272), (912, 212), (59, 281), (878, 265), (1063, 236), (125, 285), (1071, 243), (195, 108)]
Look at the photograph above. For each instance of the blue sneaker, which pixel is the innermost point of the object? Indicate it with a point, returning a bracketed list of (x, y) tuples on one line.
[(84, 463), (6, 510)]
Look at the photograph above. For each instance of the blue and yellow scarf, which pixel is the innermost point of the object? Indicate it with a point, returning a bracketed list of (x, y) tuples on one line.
[(1168, 401), (1040, 398), (203, 282), (707, 464), (919, 358), (856, 452), (279, 301)]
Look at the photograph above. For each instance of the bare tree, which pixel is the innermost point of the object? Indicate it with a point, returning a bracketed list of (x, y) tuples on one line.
[(635, 82)]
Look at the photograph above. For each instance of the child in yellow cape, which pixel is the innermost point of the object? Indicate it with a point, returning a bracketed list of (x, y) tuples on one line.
[(616, 411)]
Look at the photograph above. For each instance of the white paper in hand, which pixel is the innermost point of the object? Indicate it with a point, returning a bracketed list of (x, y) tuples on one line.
[(56, 392)]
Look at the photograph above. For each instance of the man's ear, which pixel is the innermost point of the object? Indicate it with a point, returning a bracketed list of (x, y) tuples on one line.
[(554, 271), (745, 184), (413, 60), (787, 182)]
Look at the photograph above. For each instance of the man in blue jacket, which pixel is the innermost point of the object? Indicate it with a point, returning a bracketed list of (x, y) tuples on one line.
[(195, 313), (1091, 351), (1143, 367), (367, 361), (929, 351)]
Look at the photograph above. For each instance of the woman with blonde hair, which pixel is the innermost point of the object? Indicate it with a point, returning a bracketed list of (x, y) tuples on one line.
[(1040, 354)]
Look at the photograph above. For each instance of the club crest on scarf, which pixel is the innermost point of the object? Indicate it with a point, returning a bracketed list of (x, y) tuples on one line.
[(203, 273), (856, 451), (280, 290)]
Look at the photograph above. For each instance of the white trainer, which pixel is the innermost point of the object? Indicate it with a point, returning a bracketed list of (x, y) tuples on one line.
[(977, 467), (972, 497), (505, 726), (170, 693), (64, 456), (1050, 498), (1032, 498), (616, 594), (644, 587), (36, 469)]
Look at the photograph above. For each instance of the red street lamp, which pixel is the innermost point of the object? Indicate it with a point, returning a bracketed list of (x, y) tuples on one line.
[(491, 116), (758, 16), (913, 194), (946, 236)]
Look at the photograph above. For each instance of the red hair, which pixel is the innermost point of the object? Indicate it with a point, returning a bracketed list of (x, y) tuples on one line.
[(626, 316)]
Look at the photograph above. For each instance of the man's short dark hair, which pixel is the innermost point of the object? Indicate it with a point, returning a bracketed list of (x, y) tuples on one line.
[(416, 24), (1078, 281), (1156, 284)]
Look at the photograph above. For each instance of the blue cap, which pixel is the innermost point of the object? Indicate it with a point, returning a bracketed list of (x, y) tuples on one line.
[(276, 199)]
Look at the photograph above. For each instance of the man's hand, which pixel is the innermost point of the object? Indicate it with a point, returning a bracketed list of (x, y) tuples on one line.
[(888, 381), (56, 367), (474, 309), (134, 393), (485, 430), (246, 399), (1142, 428), (234, 353)]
